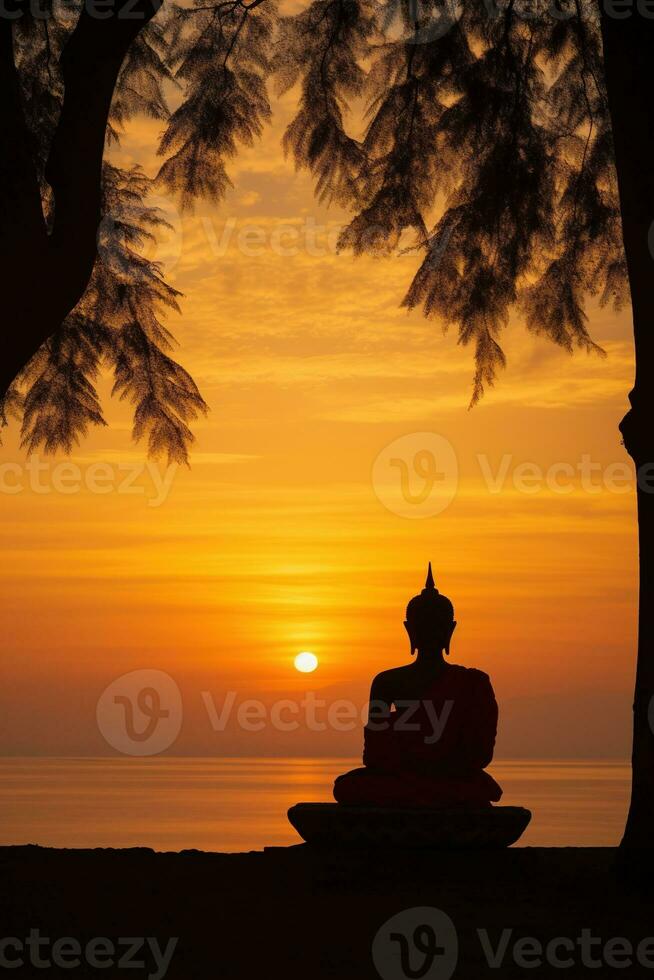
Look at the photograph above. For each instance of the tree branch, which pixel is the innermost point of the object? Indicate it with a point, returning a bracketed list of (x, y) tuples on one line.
[(90, 65)]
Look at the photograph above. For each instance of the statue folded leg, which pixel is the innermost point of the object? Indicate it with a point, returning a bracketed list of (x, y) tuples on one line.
[(371, 787)]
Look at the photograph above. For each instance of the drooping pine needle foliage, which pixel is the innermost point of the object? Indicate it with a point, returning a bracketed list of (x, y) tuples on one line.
[(220, 53), (323, 49), (486, 147), (487, 139), (117, 325)]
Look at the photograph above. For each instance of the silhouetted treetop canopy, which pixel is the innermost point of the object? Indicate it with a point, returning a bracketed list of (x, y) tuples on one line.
[(485, 145)]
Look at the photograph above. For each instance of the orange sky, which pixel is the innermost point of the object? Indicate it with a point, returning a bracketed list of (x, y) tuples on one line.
[(275, 540)]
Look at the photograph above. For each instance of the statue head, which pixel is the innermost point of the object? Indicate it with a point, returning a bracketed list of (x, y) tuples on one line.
[(430, 619)]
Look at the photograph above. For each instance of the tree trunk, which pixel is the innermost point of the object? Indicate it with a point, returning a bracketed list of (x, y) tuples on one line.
[(45, 272), (23, 235), (629, 62)]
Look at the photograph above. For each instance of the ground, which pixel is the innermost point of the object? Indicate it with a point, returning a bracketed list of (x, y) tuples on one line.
[(297, 913)]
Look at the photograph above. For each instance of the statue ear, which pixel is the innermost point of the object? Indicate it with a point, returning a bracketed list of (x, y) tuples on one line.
[(406, 627), (447, 645)]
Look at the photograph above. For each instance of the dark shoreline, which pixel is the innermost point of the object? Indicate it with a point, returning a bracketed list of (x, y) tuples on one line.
[(295, 912)]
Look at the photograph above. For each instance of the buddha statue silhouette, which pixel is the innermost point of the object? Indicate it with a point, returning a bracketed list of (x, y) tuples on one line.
[(431, 726)]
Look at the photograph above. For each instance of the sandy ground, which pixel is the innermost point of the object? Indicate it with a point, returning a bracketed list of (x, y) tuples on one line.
[(296, 913)]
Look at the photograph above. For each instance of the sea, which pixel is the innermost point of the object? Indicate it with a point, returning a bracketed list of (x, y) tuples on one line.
[(240, 804)]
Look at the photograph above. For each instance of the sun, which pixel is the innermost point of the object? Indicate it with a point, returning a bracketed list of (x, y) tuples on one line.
[(306, 662)]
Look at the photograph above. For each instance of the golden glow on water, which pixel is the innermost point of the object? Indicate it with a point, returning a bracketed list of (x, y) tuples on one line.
[(240, 804)]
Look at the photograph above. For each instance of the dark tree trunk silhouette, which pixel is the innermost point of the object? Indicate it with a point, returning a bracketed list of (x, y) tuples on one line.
[(46, 271), (628, 54)]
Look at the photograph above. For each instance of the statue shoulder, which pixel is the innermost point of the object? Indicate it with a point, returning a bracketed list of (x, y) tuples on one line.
[(386, 680), (388, 675), (471, 674)]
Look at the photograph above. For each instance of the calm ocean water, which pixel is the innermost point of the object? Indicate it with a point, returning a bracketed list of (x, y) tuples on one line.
[(241, 804)]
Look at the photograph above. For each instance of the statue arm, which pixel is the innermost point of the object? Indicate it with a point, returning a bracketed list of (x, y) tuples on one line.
[(481, 728), (379, 749), (379, 706)]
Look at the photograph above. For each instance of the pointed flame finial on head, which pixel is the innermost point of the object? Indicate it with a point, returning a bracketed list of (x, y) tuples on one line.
[(429, 584)]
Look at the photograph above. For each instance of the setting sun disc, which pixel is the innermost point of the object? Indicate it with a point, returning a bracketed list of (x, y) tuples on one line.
[(306, 662)]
